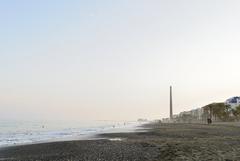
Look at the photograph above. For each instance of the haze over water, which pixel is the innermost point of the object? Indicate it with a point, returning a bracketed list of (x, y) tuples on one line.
[(29, 132)]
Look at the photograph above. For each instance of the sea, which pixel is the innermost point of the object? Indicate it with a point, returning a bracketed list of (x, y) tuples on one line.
[(28, 132)]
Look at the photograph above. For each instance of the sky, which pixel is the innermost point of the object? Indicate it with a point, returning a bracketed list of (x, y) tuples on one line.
[(115, 60)]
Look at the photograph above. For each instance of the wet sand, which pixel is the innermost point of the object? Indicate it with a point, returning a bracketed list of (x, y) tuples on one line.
[(161, 142)]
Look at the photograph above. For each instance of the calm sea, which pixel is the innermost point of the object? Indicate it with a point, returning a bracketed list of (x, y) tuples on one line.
[(26, 132)]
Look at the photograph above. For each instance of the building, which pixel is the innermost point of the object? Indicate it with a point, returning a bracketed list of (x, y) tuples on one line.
[(233, 101), (197, 113)]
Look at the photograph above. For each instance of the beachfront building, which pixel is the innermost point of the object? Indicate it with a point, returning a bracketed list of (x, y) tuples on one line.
[(165, 120), (192, 116), (184, 117), (217, 112), (197, 114), (233, 102)]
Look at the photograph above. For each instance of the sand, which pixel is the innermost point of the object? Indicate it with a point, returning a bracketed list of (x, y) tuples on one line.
[(161, 142)]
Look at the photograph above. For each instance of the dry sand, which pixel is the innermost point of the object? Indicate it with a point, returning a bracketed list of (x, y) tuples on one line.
[(161, 142)]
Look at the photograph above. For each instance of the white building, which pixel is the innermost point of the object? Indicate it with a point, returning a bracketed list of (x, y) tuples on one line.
[(233, 102), (197, 113)]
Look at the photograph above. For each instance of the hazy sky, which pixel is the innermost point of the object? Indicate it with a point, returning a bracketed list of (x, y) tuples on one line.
[(91, 60)]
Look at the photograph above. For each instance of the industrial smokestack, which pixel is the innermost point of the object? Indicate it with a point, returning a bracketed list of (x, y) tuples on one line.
[(171, 112)]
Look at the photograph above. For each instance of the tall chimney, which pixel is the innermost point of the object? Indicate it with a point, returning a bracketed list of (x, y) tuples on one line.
[(171, 112)]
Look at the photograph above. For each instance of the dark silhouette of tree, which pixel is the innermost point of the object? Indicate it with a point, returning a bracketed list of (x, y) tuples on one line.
[(236, 112), (218, 111)]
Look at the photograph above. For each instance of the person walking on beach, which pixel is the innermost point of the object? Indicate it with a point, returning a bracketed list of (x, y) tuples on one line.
[(209, 121)]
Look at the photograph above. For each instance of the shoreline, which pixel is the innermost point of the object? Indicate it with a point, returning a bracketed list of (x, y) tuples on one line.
[(158, 142), (129, 127)]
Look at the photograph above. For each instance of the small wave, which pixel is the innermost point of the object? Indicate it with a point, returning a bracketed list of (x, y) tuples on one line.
[(19, 137)]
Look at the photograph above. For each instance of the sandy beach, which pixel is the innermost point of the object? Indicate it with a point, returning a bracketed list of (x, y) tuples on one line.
[(160, 142)]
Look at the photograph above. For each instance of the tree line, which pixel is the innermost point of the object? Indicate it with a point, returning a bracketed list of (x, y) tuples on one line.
[(222, 112)]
